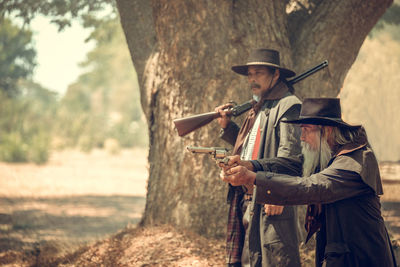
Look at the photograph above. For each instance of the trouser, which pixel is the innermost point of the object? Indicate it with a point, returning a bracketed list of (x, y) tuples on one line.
[(246, 220)]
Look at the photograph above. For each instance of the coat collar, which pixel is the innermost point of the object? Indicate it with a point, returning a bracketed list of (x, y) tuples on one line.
[(277, 92), (348, 148), (358, 144)]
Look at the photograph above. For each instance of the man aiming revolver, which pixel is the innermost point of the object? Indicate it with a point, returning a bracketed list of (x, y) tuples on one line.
[(341, 183)]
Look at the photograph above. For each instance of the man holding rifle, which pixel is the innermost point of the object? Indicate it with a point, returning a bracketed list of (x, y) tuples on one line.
[(341, 183), (259, 235)]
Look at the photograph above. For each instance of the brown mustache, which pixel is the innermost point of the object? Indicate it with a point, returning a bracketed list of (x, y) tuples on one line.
[(255, 85)]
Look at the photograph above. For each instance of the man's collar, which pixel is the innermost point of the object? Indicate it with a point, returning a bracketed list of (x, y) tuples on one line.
[(360, 142), (277, 92), (348, 148)]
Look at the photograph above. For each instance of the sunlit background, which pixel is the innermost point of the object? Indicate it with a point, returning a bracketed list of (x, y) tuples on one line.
[(73, 138)]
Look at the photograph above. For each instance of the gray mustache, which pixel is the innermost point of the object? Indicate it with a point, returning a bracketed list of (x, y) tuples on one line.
[(255, 85)]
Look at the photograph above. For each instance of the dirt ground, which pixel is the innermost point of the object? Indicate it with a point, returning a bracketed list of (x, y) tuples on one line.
[(83, 209), (75, 199)]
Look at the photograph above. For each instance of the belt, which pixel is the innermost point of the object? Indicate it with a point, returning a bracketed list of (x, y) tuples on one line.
[(248, 197)]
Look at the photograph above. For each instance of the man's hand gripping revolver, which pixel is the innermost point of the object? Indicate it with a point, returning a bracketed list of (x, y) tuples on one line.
[(235, 171)]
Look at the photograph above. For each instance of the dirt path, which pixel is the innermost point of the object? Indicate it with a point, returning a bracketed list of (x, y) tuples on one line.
[(74, 199)]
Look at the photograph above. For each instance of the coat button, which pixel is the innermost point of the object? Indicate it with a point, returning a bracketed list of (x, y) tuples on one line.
[(269, 192)]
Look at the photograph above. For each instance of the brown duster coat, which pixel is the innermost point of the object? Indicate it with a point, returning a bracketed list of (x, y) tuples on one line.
[(353, 231)]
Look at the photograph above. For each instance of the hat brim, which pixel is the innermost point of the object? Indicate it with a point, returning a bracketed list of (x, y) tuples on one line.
[(322, 121), (243, 69)]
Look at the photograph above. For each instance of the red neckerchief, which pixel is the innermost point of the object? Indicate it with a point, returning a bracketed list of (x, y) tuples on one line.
[(276, 92)]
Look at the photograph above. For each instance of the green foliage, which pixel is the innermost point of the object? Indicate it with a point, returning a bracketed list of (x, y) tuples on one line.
[(39, 148), (101, 109), (391, 17), (104, 102), (13, 148), (21, 101), (102, 105), (61, 11), (26, 124), (17, 56)]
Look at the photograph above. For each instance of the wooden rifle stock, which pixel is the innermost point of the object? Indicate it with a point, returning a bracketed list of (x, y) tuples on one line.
[(189, 124)]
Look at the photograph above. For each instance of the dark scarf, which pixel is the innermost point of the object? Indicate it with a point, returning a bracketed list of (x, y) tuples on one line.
[(276, 92)]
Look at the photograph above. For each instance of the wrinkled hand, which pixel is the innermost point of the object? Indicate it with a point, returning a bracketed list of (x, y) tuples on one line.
[(238, 175), (271, 210), (224, 119), (234, 161)]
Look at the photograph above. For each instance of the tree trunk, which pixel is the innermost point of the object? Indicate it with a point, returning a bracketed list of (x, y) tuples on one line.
[(183, 51)]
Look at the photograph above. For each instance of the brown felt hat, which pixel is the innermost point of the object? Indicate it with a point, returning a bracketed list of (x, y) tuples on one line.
[(321, 111), (264, 57)]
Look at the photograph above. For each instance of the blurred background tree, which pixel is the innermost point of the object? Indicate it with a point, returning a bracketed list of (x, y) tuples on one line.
[(100, 110), (17, 56), (102, 107), (370, 93), (25, 107)]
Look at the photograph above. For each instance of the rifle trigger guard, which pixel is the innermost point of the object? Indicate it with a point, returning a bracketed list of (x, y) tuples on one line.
[(232, 102)]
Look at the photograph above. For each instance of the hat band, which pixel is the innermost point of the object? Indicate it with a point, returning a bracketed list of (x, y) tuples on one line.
[(262, 63), (320, 117)]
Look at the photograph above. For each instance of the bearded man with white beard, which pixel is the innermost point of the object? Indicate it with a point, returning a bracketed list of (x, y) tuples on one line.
[(341, 185)]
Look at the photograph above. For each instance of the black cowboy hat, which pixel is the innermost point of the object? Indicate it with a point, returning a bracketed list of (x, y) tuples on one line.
[(321, 111), (263, 57)]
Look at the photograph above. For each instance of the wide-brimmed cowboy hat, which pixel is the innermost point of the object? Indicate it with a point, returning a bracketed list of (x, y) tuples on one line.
[(264, 57), (321, 111)]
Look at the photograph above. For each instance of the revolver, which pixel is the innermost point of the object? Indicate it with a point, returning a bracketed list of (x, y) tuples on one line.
[(219, 153)]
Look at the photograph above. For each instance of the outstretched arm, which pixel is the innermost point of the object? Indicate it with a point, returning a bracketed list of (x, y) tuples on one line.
[(330, 185)]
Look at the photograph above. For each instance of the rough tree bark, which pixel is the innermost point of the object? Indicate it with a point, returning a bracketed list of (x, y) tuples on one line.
[(183, 50)]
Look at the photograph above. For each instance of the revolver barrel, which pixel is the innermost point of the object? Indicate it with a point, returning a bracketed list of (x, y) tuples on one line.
[(217, 152)]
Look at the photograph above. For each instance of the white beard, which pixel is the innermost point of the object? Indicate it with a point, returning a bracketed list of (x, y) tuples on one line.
[(312, 157)]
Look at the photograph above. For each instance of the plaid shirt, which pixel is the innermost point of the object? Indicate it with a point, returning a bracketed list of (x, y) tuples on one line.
[(235, 231)]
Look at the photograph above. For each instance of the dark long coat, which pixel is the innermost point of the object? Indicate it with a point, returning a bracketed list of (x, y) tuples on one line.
[(353, 232), (271, 237)]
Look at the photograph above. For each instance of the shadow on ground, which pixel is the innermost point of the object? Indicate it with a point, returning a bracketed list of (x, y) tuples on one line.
[(27, 224), (391, 214)]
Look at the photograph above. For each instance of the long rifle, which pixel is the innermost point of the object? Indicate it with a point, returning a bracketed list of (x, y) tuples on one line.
[(191, 123)]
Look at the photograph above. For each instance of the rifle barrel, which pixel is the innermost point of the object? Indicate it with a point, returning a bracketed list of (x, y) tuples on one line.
[(191, 123), (309, 72)]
